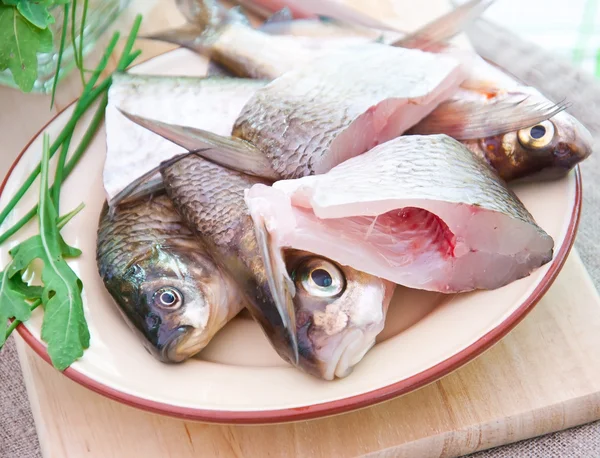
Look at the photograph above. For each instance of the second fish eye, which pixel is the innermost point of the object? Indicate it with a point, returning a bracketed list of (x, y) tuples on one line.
[(538, 136), (168, 298), (320, 278)]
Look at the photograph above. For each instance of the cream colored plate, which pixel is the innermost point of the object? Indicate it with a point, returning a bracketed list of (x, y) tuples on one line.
[(239, 378)]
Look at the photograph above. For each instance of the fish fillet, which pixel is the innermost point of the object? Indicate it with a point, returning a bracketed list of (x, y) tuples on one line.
[(421, 211), (343, 104)]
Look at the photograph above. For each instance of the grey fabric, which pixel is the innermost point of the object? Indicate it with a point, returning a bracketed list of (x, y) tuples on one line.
[(580, 442), (18, 438)]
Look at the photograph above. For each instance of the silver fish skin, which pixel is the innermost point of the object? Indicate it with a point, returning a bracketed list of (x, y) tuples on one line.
[(483, 115), (421, 211), (334, 313), (338, 106), (166, 286), (210, 199)]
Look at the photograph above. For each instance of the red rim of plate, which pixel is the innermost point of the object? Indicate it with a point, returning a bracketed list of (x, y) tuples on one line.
[(332, 407)]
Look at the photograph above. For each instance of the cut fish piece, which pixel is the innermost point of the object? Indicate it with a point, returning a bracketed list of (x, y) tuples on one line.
[(343, 104), (421, 211), (212, 104)]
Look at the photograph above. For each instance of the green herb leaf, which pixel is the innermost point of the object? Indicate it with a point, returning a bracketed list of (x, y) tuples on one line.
[(14, 291), (29, 292), (20, 41), (64, 328), (36, 12), (12, 302)]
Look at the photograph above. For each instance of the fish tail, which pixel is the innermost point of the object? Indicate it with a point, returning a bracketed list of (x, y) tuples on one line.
[(435, 35), (204, 21)]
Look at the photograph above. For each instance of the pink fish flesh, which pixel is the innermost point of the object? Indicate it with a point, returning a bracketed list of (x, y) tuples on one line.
[(421, 211)]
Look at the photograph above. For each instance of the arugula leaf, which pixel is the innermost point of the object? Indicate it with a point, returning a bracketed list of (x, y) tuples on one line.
[(20, 41), (13, 301), (29, 292), (13, 290), (35, 11), (64, 328)]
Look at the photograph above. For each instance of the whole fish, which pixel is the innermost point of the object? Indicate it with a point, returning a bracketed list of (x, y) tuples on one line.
[(322, 329), (495, 121), (166, 286), (420, 211), (332, 312), (227, 38)]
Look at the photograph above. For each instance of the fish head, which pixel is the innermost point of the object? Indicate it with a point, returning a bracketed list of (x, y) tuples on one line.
[(547, 150), (170, 295), (339, 312)]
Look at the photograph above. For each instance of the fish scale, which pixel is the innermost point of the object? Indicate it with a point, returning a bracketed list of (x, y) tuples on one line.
[(467, 221), (296, 119), (144, 250), (333, 332), (155, 223), (209, 198), (448, 172)]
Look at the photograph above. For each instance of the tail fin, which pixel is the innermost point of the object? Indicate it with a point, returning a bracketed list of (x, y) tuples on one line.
[(437, 33), (204, 20), (230, 152)]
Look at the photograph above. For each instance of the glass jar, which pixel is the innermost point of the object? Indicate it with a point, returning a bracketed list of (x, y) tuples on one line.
[(100, 15)]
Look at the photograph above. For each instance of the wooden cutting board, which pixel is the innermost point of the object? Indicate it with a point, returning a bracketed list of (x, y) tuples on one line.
[(544, 376)]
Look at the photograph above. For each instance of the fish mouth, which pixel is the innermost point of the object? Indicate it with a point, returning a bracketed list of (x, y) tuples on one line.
[(351, 350), (171, 351)]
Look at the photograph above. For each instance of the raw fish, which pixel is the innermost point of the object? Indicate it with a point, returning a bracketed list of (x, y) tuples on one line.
[(420, 211)]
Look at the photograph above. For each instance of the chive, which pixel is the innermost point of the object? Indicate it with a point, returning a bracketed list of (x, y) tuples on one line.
[(122, 65), (70, 165), (64, 220), (58, 176), (68, 129), (35, 304), (78, 63), (88, 136), (81, 30), (68, 168), (87, 98), (101, 66), (61, 50)]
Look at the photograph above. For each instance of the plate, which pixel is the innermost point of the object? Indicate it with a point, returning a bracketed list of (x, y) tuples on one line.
[(238, 378)]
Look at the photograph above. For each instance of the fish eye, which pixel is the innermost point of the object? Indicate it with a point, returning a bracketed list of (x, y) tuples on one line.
[(320, 278), (538, 136), (168, 298)]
